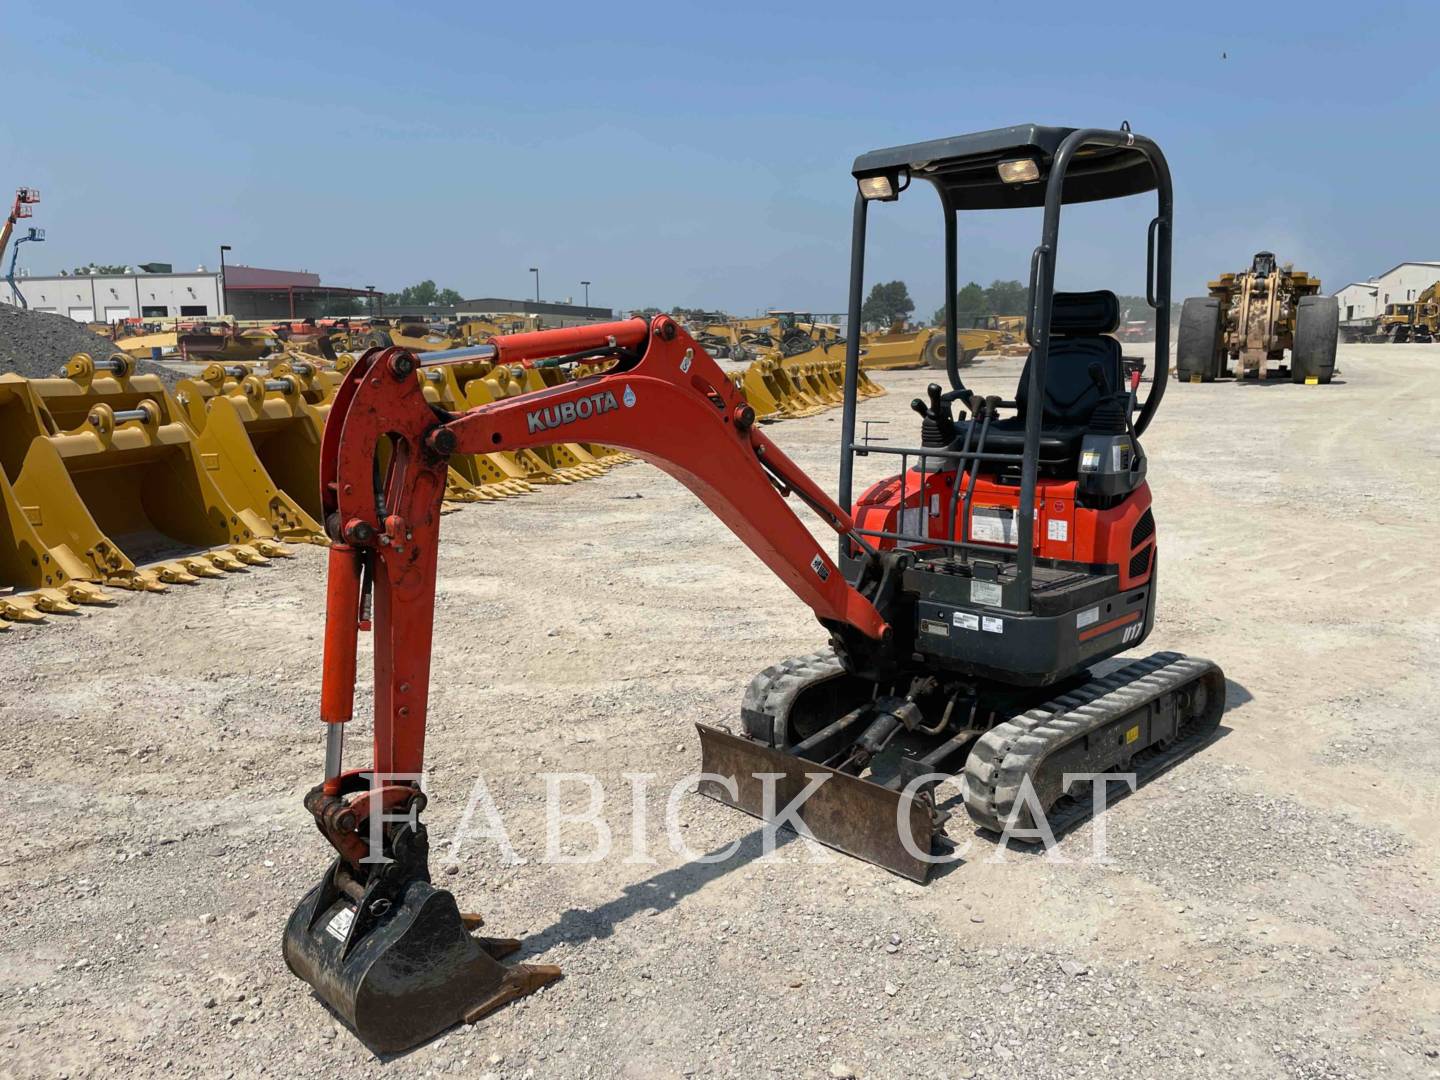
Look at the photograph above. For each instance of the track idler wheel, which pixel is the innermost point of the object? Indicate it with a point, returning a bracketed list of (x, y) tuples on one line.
[(394, 957)]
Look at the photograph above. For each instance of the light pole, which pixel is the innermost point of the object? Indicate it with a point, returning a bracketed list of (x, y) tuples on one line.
[(223, 248), (371, 290), (587, 292), (536, 271)]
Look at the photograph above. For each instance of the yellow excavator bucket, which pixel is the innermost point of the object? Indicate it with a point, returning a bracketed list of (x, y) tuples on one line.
[(474, 477), (193, 395), (115, 478), (481, 383), (261, 448), (751, 383), (794, 399), (34, 580)]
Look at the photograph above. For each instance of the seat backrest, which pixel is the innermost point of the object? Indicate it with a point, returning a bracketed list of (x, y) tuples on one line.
[(1078, 325)]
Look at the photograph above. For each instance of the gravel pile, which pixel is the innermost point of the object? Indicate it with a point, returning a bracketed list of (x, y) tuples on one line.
[(36, 344)]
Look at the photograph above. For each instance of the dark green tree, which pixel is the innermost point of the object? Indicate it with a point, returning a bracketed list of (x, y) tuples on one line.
[(969, 303), (1006, 298), (97, 268), (424, 294), (887, 302)]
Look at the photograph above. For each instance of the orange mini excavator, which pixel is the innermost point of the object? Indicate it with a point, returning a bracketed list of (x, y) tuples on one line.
[(972, 596)]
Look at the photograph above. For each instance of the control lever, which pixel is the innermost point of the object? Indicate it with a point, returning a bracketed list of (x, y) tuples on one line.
[(938, 426)]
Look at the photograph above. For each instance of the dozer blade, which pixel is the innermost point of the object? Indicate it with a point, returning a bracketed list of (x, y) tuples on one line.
[(400, 972), (844, 812)]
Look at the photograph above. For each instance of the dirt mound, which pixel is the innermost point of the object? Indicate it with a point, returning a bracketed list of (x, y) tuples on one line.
[(36, 344)]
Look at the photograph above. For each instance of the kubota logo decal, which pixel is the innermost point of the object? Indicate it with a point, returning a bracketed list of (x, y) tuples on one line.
[(567, 412)]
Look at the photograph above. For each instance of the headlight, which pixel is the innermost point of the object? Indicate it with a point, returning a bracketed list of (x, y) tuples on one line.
[(1019, 171), (877, 187)]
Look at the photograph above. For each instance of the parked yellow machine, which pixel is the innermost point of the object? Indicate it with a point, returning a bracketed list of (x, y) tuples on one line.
[(1253, 319), (1425, 322), (1417, 320), (899, 347)]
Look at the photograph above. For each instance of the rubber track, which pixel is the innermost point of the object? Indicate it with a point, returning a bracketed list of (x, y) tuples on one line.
[(774, 690), (1008, 752)]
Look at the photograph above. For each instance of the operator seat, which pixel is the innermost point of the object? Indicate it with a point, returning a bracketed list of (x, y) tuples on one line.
[(1082, 358)]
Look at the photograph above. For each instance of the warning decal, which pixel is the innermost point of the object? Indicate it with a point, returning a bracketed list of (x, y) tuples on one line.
[(339, 925)]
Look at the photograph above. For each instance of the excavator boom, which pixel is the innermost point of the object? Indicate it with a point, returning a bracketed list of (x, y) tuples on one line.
[(383, 474), (664, 399)]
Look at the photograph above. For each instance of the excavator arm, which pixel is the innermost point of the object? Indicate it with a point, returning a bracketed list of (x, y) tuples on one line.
[(663, 398), (387, 950)]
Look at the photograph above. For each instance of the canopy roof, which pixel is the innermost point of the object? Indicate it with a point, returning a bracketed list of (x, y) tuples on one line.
[(965, 167)]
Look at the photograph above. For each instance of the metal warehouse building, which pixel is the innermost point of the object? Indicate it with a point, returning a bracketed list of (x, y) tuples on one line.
[(250, 293), (1402, 283)]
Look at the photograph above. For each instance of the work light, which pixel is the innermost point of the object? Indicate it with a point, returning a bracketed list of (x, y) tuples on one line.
[(877, 187), (1019, 171)]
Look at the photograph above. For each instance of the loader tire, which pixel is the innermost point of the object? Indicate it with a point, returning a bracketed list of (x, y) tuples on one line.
[(1197, 351), (377, 339), (934, 354), (1317, 330)]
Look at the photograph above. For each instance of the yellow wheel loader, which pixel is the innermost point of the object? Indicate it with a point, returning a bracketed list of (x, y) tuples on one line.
[(1252, 319)]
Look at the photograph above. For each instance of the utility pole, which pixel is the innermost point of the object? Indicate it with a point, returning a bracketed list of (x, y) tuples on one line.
[(223, 248)]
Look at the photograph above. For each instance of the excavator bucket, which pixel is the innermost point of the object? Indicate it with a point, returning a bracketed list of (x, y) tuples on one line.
[(860, 817), (34, 581), (751, 382), (261, 447), (793, 400), (396, 959), (474, 477), (193, 395), (115, 478), (482, 383)]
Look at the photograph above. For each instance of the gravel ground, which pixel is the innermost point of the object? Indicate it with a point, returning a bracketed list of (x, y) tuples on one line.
[(36, 344), (1269, 907)]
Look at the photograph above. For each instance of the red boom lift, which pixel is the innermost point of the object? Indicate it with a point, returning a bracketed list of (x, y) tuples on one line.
[(971, 595)]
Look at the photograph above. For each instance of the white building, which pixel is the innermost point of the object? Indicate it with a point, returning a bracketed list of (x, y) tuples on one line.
[(1403, 283), (111, 297), (1359, 301)]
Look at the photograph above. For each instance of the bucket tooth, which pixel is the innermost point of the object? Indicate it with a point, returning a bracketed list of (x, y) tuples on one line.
[(248, 555), (19, 610), (226, 561), (83, 592), (272, 549), (519, 981), (174, 573), (201, 568), (53, 602), (136, 581)]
